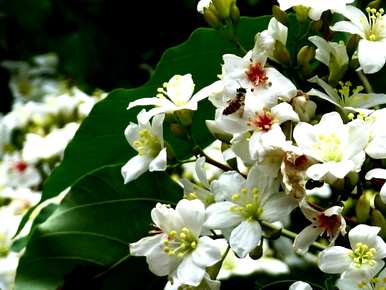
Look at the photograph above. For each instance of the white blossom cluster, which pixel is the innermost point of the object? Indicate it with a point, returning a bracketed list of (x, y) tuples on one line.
[(279, 140), (45, 116)]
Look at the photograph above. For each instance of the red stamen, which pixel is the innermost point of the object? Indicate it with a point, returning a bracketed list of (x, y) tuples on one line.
[(263, 121), (329, 224), (256, 74), (21, 166)]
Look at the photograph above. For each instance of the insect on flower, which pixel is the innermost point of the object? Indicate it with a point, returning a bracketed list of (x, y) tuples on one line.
[(236, 103)]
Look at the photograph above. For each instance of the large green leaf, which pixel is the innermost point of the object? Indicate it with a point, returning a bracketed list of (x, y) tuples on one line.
[(84, 244), (100, 140)]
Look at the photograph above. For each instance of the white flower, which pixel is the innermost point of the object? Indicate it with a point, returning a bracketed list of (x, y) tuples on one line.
[(304, 107), (372, 30), (202, 191), (177, 249), (381, 174), (340, 147), (38, 147), (276, 31), (368, 250), (206, 284), (317, 7), (15, 172), (242, 204), (360, 281), (148, 141), (376, 147), (300, 285), (175, 95), (347, 98), (329, 222)]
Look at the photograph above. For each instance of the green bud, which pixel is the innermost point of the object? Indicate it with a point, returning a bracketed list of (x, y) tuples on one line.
[(305, 55), (316, 26), (185, 117), (301, 13), (281, 53), (352, 44), (235, 13), (379, 204), (362, 208), (377, 219), (257, 252), (212, 19), (279, 14), (178, 130), (223, 8), (348, 207), (375, 4)]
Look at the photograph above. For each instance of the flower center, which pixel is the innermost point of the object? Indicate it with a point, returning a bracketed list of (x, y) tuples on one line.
[(363, 255), (263, 121), (376, 25), (346, 91), (247, 204), (20, 166), (180, 244), (329, 224), (329, 145), (256, 74), (147, 144)]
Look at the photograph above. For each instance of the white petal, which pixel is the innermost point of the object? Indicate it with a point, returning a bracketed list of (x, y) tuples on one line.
[(245, 237), (318, 171), (277, 207), (323, 50), (331, 96), (192, 212), (131, 133), (309, 212), (383, 193), (135, 167), (334, 260), (281, 86), (363, 234), (306, 237), (157, 126), (207, 253), (377, 146), (180, 88), (145, 102), (278, 31), (347, 26), (380, 247), (376, 173), (207, 91), (159, 262), (145, 245), (341, 169), (366, 101), (219, 215), (160, 162), (227, 184), (200, 171), (284, 112), (189, 273), (371, 55), (300, 285)]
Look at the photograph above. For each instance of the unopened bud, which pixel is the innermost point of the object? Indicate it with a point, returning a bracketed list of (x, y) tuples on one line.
[(316, 26), (379, 204), (377, 219), (212, 19), (304, 107), (257, 252), (352, 44), (301, 13), (375, 4), (235, 13), (362, 208), (305, 55), (178, 130), (281, 53), (185, 117), (279, 14), (223, 8)]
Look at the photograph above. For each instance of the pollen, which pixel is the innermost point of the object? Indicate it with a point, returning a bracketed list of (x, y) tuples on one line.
[(263, 121), (376, 25), (147, 143), (363, 254)]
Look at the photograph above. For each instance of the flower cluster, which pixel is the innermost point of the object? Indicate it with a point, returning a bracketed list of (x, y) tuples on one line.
[(44, 118), (284, 149)]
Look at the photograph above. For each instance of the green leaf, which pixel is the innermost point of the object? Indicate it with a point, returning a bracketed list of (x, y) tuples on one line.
[(84, 243), (100, 140)]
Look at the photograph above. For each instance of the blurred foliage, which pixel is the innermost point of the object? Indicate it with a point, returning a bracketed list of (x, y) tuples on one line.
[(101, 43)]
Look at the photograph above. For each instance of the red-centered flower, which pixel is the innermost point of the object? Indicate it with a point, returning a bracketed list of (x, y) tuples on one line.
[(256, 74), (21, 166), (329, 224), (263, 121)]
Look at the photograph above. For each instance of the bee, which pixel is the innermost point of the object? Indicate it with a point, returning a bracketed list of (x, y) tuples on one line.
[(236, 103)]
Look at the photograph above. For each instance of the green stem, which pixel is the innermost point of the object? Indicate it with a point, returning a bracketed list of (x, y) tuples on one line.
[(291, 235), (365, 81)]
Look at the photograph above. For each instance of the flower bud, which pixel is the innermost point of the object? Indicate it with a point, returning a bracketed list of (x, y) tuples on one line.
[(316, 26), (377, 219), (379, 204), (178, 130), (279, 14), (223, 7), (211, 18), (304, 57), (235, 13), (304, 107), (257, 252), (301, 13), (281, 53), (362, 208), (185, 117)]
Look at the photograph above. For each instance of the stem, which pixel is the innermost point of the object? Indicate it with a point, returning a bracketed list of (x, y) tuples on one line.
[(181, 162), (291, 235), (365, 81), (229, 31)]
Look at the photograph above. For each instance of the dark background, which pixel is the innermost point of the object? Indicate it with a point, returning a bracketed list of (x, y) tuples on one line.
[(102, 44)]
